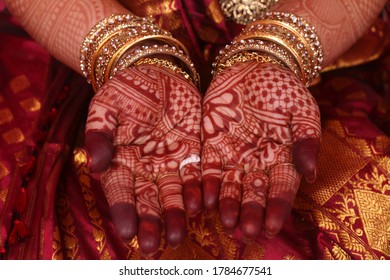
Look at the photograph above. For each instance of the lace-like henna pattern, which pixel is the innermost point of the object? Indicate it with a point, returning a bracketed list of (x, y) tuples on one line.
[(191, 177), (252, 115), (61, 25), (152, 116)]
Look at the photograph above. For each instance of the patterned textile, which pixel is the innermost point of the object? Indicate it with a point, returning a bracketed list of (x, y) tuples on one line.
[(52, 208)]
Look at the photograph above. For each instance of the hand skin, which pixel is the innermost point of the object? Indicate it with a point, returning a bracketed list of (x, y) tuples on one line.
[(141, 125), (260, 133)]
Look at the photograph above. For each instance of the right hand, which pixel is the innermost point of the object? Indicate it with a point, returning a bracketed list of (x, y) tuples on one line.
[(141, 125)]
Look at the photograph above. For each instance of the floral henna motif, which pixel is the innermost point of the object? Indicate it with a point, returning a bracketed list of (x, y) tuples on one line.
[(152, 117), (253, 116)]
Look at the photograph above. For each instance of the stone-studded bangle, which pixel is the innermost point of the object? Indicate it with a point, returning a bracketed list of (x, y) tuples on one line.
[(284, 36), (115, 36), (121, 25), (164, 40), (132, 57), (293, 33), (264, 48)]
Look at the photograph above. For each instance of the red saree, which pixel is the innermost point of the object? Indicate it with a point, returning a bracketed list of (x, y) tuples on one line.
[(52, 208)]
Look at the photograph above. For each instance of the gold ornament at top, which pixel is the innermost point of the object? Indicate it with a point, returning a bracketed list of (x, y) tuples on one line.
[(245, 11)]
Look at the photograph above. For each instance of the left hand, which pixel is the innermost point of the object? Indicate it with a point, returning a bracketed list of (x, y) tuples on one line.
[(260, 133)]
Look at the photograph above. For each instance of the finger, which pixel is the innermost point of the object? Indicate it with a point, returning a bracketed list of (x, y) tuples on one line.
[(191, 176), (211, 177), (284, 182), (305, 153), (171, 200), (100, 149), (149, 213), (255, 185), (306, 132), (230, 198), (118, 185), (101, 123)]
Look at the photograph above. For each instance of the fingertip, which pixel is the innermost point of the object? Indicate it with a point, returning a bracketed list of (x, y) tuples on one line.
[(100, 148), (192, 197), (310, 178), (175, 226), (251, 220), (124, 218), (276, 215), (211, 188), (229, 212), (149, 235), (305, 154)]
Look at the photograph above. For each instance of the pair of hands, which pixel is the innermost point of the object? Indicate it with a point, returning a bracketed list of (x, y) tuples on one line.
[(254, 121)]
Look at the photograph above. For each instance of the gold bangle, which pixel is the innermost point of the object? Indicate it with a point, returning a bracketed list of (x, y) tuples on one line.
[(291, 27), (299, 57), (262, 47), (294, 35), (165, 39), (131, 58), (107, 26), (166, 64), (245, 57), (111, 38)]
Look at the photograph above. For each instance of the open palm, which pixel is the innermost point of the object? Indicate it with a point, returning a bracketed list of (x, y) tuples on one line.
[(140, 127), (260, 133)]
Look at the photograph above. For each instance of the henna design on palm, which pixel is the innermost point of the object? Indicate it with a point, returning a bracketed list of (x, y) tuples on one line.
[(258, 119), (140, 126)]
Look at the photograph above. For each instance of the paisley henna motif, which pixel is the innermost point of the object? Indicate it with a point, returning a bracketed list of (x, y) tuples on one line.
[(253, 115), (152, 118)]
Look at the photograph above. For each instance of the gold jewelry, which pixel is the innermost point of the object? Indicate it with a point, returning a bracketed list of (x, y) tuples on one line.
[(125, 25), (115, 36), (168, 174), (148, 51), (164, 63), (295, 35), (122, 50), (294, 42), (244, 57), (245, 11), (298, 57), (264, 48)]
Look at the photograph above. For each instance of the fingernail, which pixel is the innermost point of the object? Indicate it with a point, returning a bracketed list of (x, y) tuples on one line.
[(310, 179), (269, 235)]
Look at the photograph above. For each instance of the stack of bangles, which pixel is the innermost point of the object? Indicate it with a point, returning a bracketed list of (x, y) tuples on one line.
[(120, 41), (279, 38)]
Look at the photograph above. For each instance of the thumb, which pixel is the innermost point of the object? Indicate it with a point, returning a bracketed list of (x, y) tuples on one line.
[(100, 128), (100, 149), (305, 154)]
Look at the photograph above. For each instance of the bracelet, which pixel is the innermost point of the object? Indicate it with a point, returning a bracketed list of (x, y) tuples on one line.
[(108, 27), (243, 12), (262, 47), (131, 58), (123, 49), (287, 37), (115, 36), (164, 63), (245, 57), (294, 34)]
